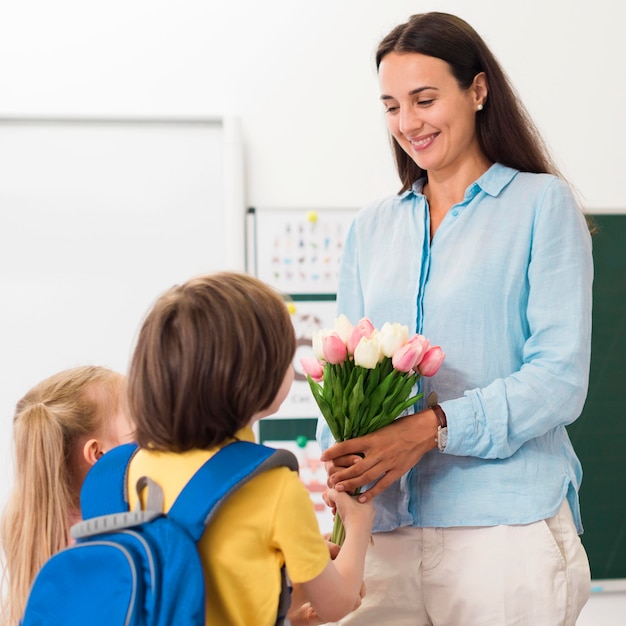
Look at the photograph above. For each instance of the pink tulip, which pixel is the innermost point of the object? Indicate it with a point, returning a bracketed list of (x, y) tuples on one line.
[(334, 348), (312, 367), (364, 328), (404, 357), (421, 345), (431, 362)]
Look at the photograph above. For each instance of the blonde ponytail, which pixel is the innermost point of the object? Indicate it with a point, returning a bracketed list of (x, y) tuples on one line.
[(49, 422)]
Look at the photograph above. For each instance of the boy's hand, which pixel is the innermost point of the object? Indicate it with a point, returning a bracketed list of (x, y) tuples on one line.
[(301, 613)]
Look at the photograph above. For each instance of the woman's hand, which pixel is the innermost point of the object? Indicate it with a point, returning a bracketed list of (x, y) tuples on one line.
[(382, 456)]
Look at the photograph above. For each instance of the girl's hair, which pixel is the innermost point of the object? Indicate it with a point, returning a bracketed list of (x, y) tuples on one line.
[(49, 425), (210, 354), (504, 128)]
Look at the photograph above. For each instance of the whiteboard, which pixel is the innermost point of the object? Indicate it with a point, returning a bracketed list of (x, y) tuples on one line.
[(97, 218)]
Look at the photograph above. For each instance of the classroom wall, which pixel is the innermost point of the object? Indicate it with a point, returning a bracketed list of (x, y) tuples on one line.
[(300, 78), (300, 75)]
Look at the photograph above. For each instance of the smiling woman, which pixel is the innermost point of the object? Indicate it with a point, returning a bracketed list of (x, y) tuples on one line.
[(486, 252), (433, 118)]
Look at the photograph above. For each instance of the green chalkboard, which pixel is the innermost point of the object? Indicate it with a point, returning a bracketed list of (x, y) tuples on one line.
[(599, 435), (289, 429)]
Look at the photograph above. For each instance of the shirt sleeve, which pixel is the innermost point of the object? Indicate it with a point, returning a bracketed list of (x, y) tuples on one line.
[(550, 388)]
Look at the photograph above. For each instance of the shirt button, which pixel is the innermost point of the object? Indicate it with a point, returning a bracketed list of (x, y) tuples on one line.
[(455, 212)]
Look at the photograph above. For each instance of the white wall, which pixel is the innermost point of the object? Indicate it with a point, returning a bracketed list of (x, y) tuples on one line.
[(300, 77)]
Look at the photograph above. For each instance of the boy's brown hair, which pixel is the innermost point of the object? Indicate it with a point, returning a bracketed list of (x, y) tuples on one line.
[(210, 354)]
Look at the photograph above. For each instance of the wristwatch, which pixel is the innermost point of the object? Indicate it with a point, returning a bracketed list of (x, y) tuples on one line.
[(442, 429)]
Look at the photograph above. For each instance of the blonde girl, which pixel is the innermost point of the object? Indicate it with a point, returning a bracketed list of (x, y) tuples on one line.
[(60, 428)]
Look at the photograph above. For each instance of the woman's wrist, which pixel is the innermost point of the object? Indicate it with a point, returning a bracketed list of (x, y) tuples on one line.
[(423, 429)]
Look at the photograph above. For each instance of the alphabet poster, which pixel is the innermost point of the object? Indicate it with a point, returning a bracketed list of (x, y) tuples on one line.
[(298, 251)]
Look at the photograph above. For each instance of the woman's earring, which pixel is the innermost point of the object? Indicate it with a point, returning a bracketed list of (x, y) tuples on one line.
[(479, 107)]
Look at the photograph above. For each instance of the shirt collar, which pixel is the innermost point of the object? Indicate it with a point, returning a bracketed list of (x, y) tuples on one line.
[(492, 182)]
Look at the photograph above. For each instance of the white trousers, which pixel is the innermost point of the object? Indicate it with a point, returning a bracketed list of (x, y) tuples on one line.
[(527, 575)]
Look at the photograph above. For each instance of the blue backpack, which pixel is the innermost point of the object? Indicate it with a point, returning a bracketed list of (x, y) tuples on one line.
[(142, 567)]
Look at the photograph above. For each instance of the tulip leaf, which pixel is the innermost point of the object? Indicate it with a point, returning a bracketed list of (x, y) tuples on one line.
[(355, 400)]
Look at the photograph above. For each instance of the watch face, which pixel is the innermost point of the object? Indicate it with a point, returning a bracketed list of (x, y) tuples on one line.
[(442, 438)]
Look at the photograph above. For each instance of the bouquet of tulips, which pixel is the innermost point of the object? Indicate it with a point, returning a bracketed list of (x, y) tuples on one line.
[(362, 377)]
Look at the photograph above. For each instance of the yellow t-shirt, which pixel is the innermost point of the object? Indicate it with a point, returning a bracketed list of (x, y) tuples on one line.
[(268, 522)]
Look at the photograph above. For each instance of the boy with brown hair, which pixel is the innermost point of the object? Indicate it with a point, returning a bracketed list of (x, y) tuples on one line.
[(213, 356)]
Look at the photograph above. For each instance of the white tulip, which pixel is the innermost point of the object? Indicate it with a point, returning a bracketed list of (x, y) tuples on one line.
[(343, 327), (367, 353), (392, 337), (317, 343)]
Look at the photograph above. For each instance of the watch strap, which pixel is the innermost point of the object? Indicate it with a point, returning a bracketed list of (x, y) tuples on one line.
[(442, 427), (441, 416)]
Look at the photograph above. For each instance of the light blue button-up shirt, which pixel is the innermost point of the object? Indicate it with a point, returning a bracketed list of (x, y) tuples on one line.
[(505, 288)]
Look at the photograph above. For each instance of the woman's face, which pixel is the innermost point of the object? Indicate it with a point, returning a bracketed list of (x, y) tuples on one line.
[(428, 114)]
